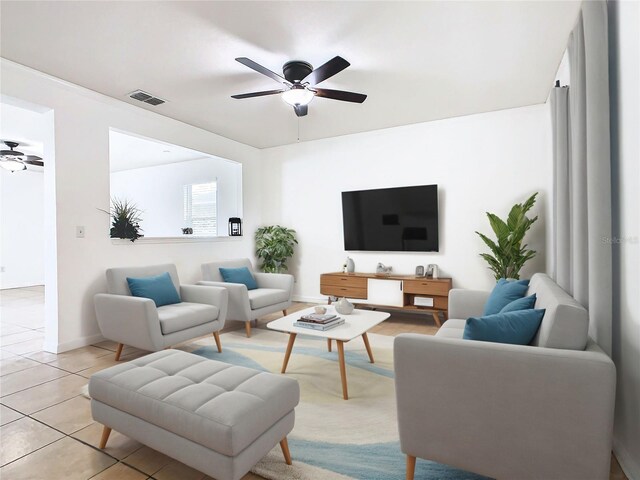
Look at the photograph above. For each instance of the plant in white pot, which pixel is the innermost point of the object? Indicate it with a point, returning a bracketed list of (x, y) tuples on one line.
[(508, 253), (274, 246)]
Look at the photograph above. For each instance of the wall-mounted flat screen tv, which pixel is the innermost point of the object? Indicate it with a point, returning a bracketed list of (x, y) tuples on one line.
[(403, 219)]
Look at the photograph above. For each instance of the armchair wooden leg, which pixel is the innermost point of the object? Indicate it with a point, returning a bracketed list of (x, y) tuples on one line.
[(411, 467), (284, 445), (106, 431), (247, 327), (119, 351), (284, 312), (216, 336)]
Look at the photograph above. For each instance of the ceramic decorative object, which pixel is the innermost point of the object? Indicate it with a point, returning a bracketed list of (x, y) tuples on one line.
[(351, 267), (344, 306), (320, 310), (382, 268)]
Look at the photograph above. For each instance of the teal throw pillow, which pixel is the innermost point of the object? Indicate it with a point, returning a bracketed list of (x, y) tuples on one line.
[(505, 291), (239, 275), (524, 303), (517, 328), (159, 288)]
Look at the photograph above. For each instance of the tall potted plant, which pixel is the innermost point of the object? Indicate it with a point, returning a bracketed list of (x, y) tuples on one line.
[(274, 246), (508, 252)]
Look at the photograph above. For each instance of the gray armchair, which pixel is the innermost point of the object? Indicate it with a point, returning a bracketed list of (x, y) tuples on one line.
[(272, 295), (535, 411), (137, 322)]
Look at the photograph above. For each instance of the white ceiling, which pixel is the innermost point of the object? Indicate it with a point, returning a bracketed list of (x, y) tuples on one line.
[(127, 152), (416, 61)]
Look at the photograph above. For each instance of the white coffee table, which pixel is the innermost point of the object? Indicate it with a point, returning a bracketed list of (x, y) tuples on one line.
[(355, 325)]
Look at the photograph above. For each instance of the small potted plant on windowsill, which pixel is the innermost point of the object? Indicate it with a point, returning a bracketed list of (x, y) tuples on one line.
[(125, 220)]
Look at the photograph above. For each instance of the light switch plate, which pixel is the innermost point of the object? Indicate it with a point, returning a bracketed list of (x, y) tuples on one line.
[(79, 232)]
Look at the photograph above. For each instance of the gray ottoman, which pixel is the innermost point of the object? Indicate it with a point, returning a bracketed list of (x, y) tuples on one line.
[(218, 418)]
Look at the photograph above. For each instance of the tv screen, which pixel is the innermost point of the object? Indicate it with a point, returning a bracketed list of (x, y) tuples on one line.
[(403, 219)]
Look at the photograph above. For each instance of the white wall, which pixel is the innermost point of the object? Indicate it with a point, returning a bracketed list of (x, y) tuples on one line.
[(624, 51), (81, 165), (21, 205), (481, 163), (158, 192)]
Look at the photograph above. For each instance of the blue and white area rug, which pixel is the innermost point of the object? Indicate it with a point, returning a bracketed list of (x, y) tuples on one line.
[(333, 439)]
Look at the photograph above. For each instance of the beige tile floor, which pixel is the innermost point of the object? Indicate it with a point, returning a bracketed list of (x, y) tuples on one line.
[(46, 429)]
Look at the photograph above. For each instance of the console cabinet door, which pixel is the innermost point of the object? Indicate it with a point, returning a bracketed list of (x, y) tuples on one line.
[(384, 292)]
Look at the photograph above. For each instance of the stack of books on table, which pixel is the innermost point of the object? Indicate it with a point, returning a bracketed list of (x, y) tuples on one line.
[(316, 321)]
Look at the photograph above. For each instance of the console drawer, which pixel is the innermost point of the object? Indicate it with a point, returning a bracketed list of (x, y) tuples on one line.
[(426, 287), (343, 281), (343, 291)]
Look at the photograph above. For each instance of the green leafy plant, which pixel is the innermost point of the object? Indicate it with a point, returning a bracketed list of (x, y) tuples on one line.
[(274, 245), (509, 254), (125, 220)]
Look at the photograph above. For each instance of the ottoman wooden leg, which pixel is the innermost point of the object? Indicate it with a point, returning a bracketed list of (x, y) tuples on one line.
[(106, 431), (119, 351), (247, 327), (284, 312), (216, 336), (284, 445)]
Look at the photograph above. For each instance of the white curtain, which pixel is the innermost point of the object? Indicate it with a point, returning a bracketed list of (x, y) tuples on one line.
[(582, 173)]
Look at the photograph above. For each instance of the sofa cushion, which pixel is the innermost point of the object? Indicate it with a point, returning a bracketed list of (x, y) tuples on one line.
[(517, 327), (239, 275), (214, 404), (452, 328), (265, 297), (524, 303), (158, 288), (566, 323), (505, 291), (180, 316)]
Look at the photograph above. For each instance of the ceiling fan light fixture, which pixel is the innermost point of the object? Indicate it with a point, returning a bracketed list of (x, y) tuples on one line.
[(298, 95), (12, 164)]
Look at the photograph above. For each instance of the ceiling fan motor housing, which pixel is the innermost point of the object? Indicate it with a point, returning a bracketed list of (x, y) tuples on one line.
[(296, 70)]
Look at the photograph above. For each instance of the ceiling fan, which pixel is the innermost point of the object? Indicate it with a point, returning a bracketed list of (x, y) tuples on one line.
[(300, 80), (14, 161)]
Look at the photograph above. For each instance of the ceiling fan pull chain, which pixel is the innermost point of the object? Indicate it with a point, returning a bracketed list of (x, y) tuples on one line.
[(298, 129)]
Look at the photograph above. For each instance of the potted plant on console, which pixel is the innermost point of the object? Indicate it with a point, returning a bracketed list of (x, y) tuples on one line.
[(274, 246), (125, 220), (509, 254)]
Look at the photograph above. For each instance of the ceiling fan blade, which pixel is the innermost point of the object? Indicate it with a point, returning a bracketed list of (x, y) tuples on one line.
[(301, 110), (257, 94), (329, 69), (260, 69), (34, 160), (340, 95)]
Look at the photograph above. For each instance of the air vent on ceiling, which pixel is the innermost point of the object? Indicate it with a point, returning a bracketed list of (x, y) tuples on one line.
[(146, 97)]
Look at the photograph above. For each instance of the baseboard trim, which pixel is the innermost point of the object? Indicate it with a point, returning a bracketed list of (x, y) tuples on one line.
[(304, 298), (80, 342), (629, 465)]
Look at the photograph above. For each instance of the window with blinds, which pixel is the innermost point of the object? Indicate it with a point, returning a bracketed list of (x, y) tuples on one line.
[(200, 208)]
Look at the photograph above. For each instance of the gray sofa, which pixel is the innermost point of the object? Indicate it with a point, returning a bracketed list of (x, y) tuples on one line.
[(137, 322), (272, 295), (541, 411)]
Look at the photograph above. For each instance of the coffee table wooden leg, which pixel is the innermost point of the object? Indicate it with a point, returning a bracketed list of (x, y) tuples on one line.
[(367, 346), (329, 344), (343, 369), (292, 339)]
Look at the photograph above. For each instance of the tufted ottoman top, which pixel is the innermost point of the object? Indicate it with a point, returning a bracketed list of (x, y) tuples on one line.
[(217, 405)]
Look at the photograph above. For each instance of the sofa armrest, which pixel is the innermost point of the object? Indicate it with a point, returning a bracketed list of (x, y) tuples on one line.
[(505, 411), (282, 281), (239, 307), (208, 294), (129, 320), (466, 303)]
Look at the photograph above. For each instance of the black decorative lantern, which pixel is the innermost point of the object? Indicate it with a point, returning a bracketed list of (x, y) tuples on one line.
[(235, 227)]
